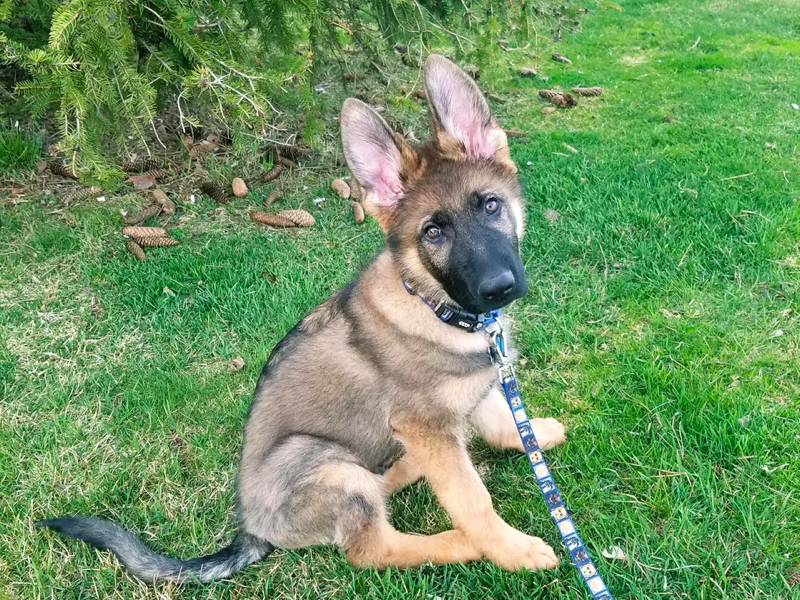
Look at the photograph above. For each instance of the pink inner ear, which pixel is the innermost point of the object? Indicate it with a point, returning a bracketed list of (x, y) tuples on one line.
[(378, 170), (387, 187), (466, 125)]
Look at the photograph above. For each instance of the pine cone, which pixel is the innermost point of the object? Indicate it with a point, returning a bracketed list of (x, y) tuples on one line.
[(561, 99), (356, 191), (147, 213), (204, 147), (157, 173), (514, 133), (215, 191), (340, 188), (561, 58), (274, 196), (186, 190), (567, 101), (299, 217), (272, 174), (156, 242), (167, 205), (143, 232), (549, 94), (144, 163), (58, 168), (590, 91), (80, 194), (358, 212), (280, 160), (526, 72), (288, 151), (271, 219), (136, 250), (239, 187)]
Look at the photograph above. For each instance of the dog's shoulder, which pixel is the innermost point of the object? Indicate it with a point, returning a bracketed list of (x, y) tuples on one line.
[(329, 310), (345, 301), (312, 324)]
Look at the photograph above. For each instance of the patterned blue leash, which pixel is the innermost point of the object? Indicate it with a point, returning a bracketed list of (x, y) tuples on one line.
[(489, 322), (558, 511)]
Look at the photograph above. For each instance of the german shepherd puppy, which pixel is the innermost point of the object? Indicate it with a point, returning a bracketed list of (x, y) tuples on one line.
[(373, 389)]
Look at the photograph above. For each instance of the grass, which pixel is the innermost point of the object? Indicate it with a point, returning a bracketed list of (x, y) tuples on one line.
[(18, 150), (662, 326)]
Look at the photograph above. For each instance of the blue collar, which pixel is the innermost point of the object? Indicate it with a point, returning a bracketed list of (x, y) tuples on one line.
[(466, 321)]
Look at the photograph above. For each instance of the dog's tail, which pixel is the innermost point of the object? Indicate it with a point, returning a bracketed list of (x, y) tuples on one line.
[(146, 565)]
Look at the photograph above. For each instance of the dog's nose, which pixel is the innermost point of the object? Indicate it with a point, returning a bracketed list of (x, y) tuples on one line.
[(497, 287)]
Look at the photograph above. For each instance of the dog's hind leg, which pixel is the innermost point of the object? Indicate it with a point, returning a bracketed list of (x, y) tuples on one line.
[(373, 542), (308, 491), (381, 545), (493, 422)]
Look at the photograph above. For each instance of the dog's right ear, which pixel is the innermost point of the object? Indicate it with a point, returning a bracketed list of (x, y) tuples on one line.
[(375, 157), (460, 116)]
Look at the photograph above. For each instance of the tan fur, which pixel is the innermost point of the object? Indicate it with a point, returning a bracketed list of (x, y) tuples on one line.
[(383, 546), (372, 375), (434, 440), (403, 472), (379, 544), (492, 421)]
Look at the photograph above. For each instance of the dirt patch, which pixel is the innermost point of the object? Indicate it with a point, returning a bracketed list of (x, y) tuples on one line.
[(633, 61)]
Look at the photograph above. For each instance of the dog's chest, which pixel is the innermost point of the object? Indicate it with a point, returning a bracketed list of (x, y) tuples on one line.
[(459, 390), (447, 383), (460, 395)]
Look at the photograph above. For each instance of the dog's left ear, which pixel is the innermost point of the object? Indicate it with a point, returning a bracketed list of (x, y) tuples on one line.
[(460, 115)]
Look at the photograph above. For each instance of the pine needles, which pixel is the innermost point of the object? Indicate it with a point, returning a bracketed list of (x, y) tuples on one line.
[(109, 68)]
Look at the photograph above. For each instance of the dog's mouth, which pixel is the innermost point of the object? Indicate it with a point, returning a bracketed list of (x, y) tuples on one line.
[(485, 305)]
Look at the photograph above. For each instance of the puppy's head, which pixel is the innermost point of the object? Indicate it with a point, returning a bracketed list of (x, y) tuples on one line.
[(452, 210)]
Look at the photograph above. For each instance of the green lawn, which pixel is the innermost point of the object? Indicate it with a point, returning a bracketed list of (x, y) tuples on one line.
[(662, 326)]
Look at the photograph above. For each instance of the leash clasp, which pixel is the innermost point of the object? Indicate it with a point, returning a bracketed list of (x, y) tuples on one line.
[(497, 344)]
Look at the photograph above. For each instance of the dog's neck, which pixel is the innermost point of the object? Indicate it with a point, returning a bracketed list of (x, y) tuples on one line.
[(382, 284), (455, 316)]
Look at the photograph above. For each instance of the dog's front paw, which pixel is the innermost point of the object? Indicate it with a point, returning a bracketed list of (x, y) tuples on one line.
[(515, 550), (548, 432)]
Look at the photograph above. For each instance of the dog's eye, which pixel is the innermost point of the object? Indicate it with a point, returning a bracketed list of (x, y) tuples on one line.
[(432, 232), (491, 206)]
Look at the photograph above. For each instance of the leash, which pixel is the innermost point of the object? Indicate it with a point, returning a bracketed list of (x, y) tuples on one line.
[(552, 498)]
